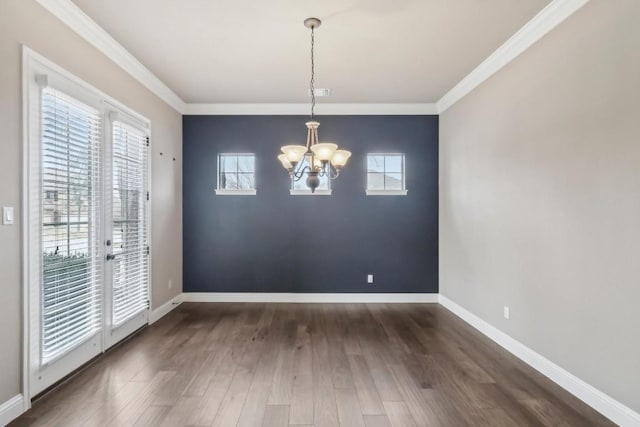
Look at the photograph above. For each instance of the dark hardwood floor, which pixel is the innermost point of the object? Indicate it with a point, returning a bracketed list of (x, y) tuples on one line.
[(309, 364)]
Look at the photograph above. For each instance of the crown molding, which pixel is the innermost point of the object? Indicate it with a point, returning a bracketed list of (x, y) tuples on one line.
[(541, 24), (81, 23), (545, 21), (303, 109)]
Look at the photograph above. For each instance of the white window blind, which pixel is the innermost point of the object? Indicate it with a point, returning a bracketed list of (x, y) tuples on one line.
[(129, 216), (69, 223)]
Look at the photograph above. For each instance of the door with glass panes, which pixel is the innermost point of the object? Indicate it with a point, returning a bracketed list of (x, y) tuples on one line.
[(126, 229), (88, 231)]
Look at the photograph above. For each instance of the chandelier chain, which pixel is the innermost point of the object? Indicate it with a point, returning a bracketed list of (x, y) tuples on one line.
[(313, 73)]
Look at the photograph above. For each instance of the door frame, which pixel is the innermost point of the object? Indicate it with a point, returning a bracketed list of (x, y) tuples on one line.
[(33, 63)]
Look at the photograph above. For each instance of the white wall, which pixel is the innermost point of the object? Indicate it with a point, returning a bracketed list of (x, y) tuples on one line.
[(540, 198), (25, 22)]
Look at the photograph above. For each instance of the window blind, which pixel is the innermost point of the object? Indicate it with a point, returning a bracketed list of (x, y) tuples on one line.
[(130, 225), (69, 223)]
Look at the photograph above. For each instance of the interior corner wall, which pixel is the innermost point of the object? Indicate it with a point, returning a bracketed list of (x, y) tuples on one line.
[(276, 242), (26, 22), (540, 198)]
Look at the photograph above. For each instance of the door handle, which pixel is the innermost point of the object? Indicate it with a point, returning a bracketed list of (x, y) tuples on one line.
[(110, 257)]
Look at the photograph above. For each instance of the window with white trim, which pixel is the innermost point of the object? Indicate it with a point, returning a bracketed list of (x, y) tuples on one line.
[(385, 174), (236, 174), (299, 187)]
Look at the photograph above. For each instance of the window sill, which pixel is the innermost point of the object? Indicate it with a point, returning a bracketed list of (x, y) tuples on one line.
[(318, 192), (386, 192), (220, 192)]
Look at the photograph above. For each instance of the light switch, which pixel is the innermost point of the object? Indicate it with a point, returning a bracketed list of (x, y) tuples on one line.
[(7, 215)]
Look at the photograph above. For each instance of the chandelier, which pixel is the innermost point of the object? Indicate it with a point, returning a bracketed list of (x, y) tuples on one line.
[(316, 159)]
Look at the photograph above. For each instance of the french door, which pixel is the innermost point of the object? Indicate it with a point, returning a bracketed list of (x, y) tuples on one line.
[(88, 228), (126, 231)]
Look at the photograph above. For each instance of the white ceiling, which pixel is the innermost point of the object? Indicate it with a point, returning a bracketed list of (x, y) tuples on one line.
[(257, 51)]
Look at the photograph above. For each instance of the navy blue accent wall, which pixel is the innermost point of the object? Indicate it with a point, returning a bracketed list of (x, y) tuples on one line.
[(275, 242)]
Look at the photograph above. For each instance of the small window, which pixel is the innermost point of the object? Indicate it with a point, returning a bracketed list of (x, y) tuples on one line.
[(236, 174), (385, 175), (299, 187)]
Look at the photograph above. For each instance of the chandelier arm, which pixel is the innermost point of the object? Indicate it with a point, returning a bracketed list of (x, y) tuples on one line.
[(299, 168), (329, 171), (333, 172), (298, 174)]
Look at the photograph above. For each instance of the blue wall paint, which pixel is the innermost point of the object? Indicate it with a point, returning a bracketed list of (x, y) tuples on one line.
[(275, 242)]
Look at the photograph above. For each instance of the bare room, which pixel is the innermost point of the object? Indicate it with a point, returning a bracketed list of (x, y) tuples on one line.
[(342, 213)]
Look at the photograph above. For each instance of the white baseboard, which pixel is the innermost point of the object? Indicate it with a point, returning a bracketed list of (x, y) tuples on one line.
[(606, 405), (12, 409), (307, 297), (164, 309)]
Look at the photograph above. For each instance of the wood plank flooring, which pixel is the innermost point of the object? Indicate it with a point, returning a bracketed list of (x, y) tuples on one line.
[(309, 364)]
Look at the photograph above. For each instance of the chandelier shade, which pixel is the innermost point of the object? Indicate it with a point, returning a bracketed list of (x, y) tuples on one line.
[(285, 161), (340, 158), (294, 153), (324, 151), (321, 158)]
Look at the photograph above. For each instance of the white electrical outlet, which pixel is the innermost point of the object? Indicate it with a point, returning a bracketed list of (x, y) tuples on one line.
[(506, 312), (369, 278), (170, 284)]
